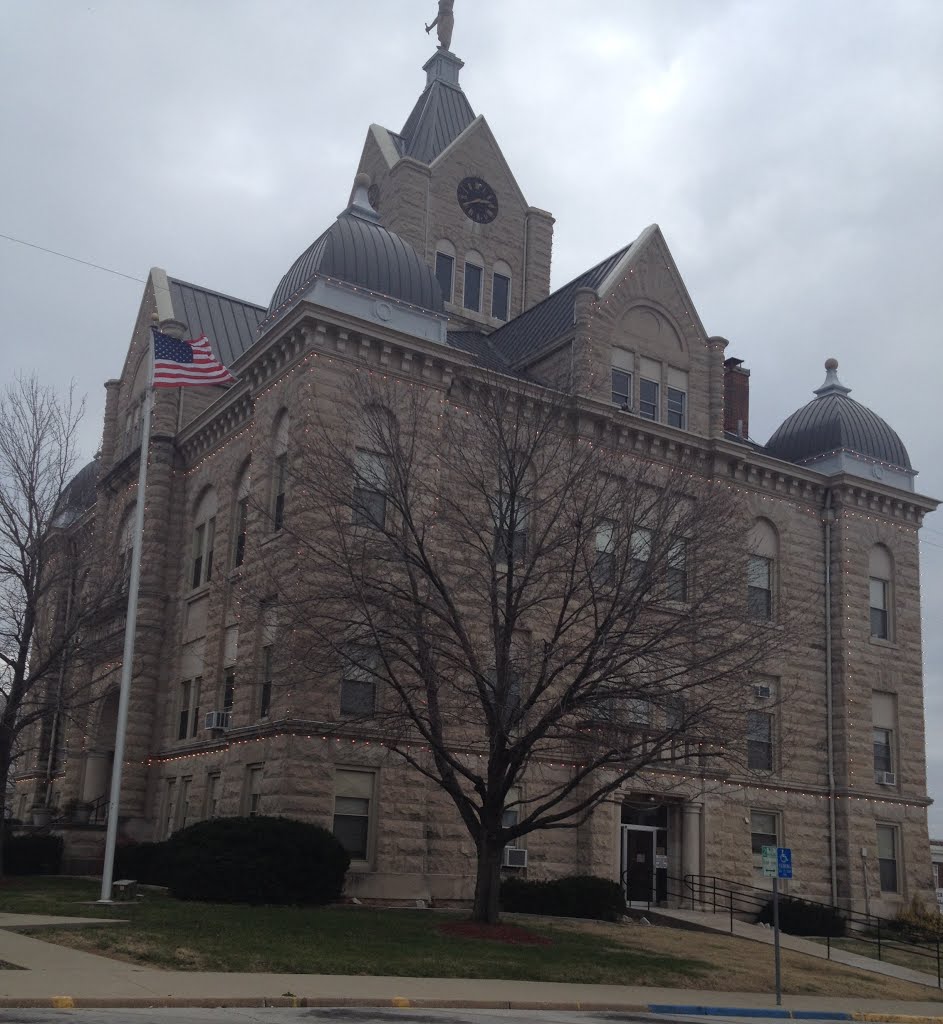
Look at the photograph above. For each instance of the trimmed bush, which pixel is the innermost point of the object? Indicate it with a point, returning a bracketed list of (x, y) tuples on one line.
[(32, 855), (255, 860), (919, 923), (144, 862), (574, 896), (797, 917)]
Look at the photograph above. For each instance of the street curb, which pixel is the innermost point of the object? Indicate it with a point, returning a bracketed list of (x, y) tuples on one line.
[(401, 1002)]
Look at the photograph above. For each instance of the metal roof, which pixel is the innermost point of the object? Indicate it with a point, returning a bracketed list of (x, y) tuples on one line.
[(534, 328), (440, 115), (834, 422), (78, 495), (360, 251), (478, 345), (230, 324)]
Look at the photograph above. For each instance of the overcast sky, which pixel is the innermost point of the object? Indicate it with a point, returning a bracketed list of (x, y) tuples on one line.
[(792, 153)]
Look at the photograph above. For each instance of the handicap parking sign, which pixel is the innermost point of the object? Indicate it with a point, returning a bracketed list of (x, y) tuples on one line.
[(784, 861)]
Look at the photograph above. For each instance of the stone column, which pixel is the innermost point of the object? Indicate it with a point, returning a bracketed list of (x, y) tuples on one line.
[(691, 838)]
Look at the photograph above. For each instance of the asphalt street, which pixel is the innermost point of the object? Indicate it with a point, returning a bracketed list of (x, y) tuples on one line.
[(348, 1015)]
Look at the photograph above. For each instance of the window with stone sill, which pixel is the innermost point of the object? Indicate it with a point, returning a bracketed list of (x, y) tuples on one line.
[(188, 713), (213, 786), (760, 741), (204, 539), (764, 831), (888, 840), (500, 295), (445, 274), (358, 695), (252, 790), (353, 808), (471, 294)]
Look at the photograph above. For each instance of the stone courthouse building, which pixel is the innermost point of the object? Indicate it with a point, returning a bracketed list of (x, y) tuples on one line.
[(440, 266)]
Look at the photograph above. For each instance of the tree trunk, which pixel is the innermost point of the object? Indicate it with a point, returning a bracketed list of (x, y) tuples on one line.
[(487, 882)]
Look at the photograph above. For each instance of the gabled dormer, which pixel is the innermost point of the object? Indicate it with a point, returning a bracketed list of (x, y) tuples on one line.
[(443, 184)]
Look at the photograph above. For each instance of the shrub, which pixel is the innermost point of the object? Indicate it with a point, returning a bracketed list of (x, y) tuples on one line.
[(919, 923), (32, 855), (255, 860), (573, 896), (799, 917), (144, 862)]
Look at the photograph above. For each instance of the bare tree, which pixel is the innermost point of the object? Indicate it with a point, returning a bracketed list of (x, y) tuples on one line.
[(513, 596), (49, 598)]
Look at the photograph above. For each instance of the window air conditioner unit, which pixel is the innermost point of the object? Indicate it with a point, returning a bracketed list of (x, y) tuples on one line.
[(216, 720), (763, 692), (885, 778), (514, 857)]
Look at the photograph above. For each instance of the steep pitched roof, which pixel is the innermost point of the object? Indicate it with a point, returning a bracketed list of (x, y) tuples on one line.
[(230, 324), (478, 345), (440, 115), (529, 332)]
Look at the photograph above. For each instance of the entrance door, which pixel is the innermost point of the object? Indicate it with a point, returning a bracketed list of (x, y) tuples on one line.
[(638, 863)]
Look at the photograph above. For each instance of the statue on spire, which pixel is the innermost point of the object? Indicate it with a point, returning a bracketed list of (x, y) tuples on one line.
[(445, 21)]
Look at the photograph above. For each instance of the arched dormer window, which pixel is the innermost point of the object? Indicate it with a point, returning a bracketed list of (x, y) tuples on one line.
[(474, 275), (501, 291), (204, 539), (279, 470), (240, 527), (763, 547), (880, 591), (445, 268)]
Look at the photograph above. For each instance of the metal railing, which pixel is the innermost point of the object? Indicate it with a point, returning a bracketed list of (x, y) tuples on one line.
[(881, 937)]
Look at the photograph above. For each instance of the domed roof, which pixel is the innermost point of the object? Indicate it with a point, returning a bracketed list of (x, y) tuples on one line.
[(78, 495), (833, 422), (358, 250)]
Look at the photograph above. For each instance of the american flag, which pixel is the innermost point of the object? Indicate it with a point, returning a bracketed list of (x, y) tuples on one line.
[(180, 364)]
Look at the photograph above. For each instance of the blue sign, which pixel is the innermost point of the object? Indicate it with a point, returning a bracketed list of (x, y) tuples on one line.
[(784, 861)]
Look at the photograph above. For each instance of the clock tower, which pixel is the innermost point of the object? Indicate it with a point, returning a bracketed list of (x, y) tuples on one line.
[(443, 185)]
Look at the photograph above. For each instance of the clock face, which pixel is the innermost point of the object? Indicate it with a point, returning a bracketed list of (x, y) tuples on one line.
[(477, 200)]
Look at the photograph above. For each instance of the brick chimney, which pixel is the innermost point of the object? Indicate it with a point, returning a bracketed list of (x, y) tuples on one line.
[(736, 398)]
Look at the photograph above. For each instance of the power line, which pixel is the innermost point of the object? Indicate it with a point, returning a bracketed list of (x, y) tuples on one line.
[(74, 259)]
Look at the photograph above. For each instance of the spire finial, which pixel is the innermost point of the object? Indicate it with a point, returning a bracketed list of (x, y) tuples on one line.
[(444, 22), (832, 385)]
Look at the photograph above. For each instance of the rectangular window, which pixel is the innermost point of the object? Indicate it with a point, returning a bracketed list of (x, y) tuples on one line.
[(883, 752), (445, 274), (760, 587), (887, 857), (170, 808), (211, 804), (500, 296), (648, 399), (183, 723), (353, 799), (621, 388), (370, 487), (641, 548), (242, 529), (510, 530), (265, 689), (183, 803), (198, 535), (252, 792), (195, 708), (229, 688), (677, 403), (279, 480), (472, 296), (678, 571), (759, 741), (764, 831), (879, 618), (359, 686), (605, 564)]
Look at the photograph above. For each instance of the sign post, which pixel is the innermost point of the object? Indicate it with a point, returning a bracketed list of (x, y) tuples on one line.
[(777, 863)]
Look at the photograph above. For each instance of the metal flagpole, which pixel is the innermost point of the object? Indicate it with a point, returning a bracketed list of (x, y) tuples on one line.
[(130, 625)]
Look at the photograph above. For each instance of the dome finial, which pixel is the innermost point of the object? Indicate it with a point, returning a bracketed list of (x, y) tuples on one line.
[(832, 385), (360, 200)]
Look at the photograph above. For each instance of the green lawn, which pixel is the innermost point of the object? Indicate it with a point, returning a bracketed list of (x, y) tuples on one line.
[(349, 940)]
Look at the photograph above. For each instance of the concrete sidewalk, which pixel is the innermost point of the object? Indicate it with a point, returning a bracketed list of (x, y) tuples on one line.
[(56, 976)]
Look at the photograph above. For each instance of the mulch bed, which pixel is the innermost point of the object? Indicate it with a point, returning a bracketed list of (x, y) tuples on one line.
[(510, 933)]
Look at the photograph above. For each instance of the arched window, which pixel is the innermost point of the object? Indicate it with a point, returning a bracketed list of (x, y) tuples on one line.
[(126, 546), (240, 527), (763, 547), (501, 291), (880, 578), (204, 539), (445, 268), (474, 274), (279, 470)]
